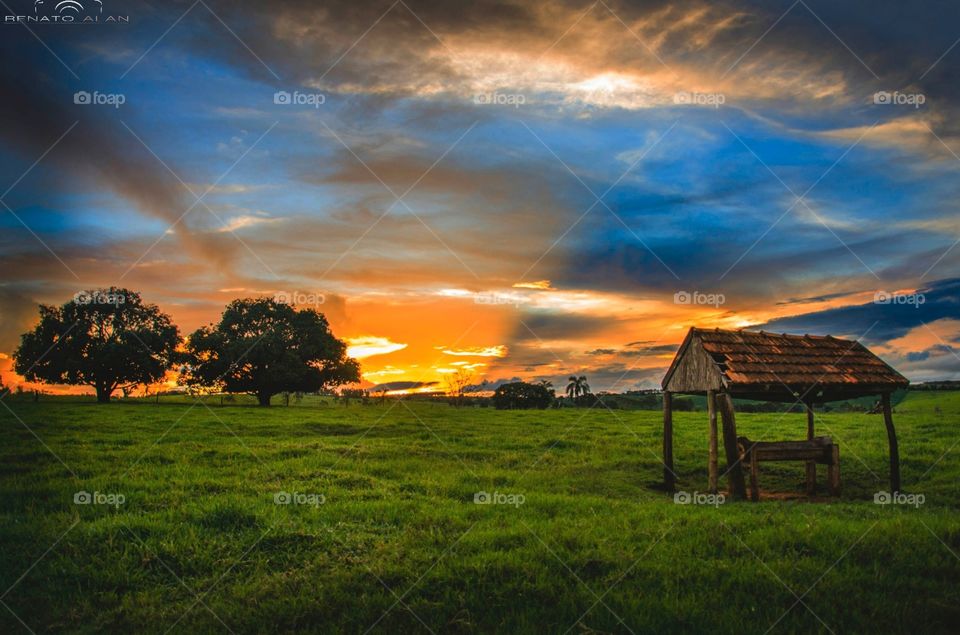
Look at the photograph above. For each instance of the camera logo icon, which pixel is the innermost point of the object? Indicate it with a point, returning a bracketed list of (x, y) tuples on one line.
[(282, 498), (482, 498), (69, 9), (682, 297), (882, 97), (84, 497), (682, 498), (281, 97), (882, 498), (82, 97)]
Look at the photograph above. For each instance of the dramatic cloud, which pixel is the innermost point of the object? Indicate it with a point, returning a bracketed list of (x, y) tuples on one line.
[(891, 315), (520, 186)]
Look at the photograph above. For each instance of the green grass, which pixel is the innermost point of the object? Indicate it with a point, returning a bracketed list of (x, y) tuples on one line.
[(199, 538)]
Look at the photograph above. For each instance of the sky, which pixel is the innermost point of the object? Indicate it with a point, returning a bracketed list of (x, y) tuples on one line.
[(519, 189)]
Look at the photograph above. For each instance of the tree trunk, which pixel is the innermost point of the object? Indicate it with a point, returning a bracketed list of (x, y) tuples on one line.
[(103, 394), (264, 398)]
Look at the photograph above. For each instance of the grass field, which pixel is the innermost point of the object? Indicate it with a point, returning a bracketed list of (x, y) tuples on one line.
[(382, 533)]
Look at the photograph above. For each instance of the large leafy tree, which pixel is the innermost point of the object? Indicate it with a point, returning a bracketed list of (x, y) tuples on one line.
[(104, 338), (521, 396), (264, 347)]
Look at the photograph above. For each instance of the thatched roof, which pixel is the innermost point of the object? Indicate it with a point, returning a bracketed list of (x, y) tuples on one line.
[(778, 367)]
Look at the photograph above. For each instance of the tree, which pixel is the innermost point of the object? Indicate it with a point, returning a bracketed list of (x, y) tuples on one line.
[(521, 396), (264, 347), (577, 386), (457, 383), (103, 338)]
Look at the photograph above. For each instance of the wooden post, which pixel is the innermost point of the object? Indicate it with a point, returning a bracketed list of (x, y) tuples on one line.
[(834, 471), (735, 485), (811, 465), (892, 440), (712, 412), (754, 476), (668, 476)]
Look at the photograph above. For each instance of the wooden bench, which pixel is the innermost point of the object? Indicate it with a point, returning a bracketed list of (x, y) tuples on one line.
[(820, 450)]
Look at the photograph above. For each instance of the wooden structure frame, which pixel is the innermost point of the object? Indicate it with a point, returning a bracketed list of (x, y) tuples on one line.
[(795, 369), (820, 450)]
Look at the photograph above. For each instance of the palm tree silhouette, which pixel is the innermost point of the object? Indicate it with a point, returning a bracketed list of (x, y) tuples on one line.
[(577, 386)]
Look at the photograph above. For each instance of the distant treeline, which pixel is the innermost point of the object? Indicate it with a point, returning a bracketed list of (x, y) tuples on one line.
[(651, 400), (936, 385)]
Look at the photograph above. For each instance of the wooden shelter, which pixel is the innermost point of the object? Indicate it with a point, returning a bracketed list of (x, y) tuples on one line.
[(795, 369)]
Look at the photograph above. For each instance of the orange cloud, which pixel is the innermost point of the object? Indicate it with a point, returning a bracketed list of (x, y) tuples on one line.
[(489, 351), (542, 285), (370, 345)]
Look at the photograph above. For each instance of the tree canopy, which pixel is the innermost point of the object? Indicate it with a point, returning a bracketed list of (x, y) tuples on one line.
[(521, 396), (103, 338), (264, 347)]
